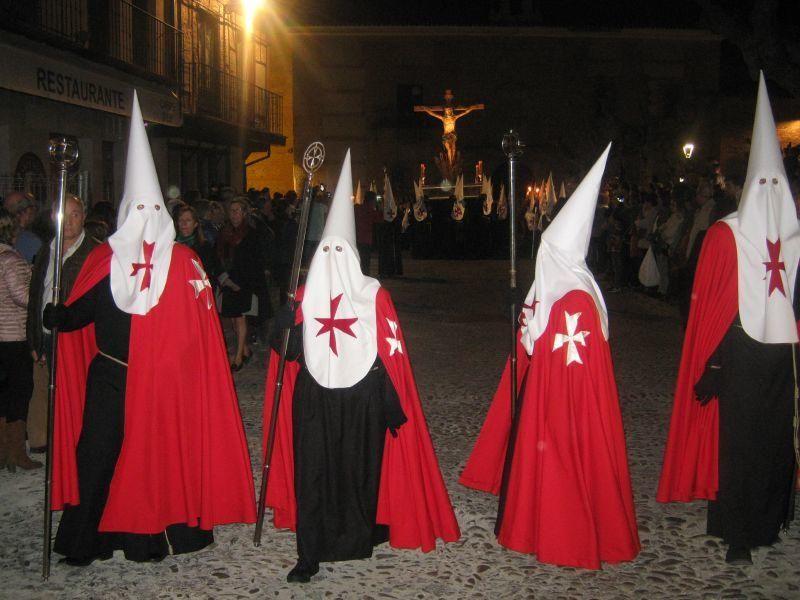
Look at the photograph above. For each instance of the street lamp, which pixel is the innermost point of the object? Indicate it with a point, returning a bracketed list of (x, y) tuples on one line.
[(688, 150)]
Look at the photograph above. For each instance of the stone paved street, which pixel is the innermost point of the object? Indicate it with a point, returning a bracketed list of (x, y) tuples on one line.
[(453, 314)]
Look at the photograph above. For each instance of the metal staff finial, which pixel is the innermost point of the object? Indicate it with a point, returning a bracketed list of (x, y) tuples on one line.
[(63, 155), (63, 152), (512, 145), (313, 158)]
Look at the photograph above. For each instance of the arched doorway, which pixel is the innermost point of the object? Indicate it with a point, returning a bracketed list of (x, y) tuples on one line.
[(31, 176)]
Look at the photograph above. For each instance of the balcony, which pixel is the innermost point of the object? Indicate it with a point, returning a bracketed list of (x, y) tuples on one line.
[(111, 31), (211, 92)]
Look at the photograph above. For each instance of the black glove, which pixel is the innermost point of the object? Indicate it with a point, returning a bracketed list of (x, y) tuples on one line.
[(284, 317), (709, 384), (54, 315), (395, 417), (283, 320)]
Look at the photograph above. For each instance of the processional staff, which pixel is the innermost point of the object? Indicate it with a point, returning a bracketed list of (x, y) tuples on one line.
[(512, 148), (63, 155), (313, 158)]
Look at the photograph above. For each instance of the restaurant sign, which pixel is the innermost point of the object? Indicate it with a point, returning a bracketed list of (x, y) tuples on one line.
[(75, 83)]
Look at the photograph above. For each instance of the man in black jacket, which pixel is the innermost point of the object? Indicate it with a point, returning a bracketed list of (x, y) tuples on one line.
[(76, 247)]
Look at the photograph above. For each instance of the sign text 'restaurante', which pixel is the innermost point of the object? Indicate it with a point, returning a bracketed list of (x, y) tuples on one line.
[(77, 89)]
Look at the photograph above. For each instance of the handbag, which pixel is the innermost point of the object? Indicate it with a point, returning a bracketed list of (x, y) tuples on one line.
[(648, 271), (253, 312)]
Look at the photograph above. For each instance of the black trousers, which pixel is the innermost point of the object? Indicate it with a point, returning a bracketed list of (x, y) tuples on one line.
[(756, 453), (338, 448), (98, 449), (16, 380)]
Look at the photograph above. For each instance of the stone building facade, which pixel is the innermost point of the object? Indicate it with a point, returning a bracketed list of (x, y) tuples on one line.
[(70, 67)]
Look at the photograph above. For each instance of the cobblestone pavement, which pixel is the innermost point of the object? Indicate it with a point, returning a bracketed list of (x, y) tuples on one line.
[(453, 317)]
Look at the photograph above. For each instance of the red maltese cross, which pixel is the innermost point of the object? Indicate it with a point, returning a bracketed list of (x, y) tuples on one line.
[(330, 324), (522, 319), (146, 265), (774, 267)]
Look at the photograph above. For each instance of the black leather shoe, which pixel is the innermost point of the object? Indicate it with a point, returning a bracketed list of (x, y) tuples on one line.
[(738, 555), (302, 572), (84, 562)]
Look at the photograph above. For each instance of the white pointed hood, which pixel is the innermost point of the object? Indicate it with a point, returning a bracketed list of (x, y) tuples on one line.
[(420, 210), (550, 190), (561, 259), (340, 340), (502, 204), (457, 211), (358, 198), (142, 245), (486, 190), (767, 236), (389, 205), (459, 190)]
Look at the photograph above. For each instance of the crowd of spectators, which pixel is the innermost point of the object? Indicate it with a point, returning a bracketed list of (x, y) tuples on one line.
[(645, 238), (650, 238)]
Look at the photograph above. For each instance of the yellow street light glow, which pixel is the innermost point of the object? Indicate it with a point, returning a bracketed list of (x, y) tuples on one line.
[(688, 149), (250, 9)]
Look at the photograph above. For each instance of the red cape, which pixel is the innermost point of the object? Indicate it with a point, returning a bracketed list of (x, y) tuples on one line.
[(691, 457), (184, 457), (412, 499), (484, 470), (569, 498)]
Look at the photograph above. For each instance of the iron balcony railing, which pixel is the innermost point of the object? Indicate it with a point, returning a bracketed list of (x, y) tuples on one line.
[(114, 31), (215, 93), (45, 188)]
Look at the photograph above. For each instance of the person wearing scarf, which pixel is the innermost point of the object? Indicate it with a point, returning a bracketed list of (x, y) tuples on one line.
[(242, 276), (191, 234)]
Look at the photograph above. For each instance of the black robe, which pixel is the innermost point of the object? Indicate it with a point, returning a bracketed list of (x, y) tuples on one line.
[(755, 386), (390, 258), (338, 437), (420, 238), (100, 444)]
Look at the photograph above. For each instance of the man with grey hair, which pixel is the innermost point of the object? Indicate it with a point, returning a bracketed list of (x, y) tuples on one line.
[(24, 206), (76, 246)]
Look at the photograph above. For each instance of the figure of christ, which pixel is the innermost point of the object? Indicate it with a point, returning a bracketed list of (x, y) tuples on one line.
[(448, 115)]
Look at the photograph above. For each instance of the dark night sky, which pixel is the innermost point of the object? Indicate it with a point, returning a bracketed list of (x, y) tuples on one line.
[(552, 13), (767, 24), (579, 14)]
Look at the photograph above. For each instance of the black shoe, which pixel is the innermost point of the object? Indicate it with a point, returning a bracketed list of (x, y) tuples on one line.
[(38, 450), (84, 562), (302, 572), (738, 555)]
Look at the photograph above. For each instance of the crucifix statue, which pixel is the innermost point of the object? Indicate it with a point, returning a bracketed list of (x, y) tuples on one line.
[(448, 115)]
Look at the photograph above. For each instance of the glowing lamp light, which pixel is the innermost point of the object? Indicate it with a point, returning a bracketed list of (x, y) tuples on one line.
[(688, 149), (250, 9)]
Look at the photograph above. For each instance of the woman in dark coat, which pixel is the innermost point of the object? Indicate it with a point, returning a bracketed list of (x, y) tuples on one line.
[(187, 224), (242, 274)]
